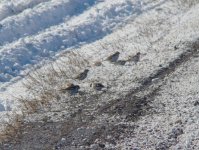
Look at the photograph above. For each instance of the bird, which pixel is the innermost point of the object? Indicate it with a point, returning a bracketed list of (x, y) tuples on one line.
[(2, 108), (97, 63), (175, 47), (70, 88), (120, 62), (97, 86), (114, 57), (135, 58), (82, 75)]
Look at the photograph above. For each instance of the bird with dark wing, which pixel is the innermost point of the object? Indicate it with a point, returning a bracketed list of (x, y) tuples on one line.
[(114, 57), (82, 75), (70, 88), (134, 58), (120, 62), (97, 86)]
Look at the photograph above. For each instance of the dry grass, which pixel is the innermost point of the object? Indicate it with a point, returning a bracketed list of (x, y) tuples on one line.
[(11, 127), (186, 3), (42, 87)]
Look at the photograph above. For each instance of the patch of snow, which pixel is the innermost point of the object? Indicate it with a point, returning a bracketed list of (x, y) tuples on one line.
[(90, 26), (13, 7), (36, 19)]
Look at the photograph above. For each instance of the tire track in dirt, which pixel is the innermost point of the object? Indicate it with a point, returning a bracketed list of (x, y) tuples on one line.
[(159, 75), (134, 106)]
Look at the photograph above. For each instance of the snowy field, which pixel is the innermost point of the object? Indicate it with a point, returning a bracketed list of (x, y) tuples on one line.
[(36, 33), (41, 31)]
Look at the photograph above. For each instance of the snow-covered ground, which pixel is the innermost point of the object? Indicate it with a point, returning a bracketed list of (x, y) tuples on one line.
[(90, 25), (36, 32), (70, 28), (13, 7)]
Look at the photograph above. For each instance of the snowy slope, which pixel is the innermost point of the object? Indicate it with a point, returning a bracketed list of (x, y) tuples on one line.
[(34, 33), (13, 7), (40, 17), (89, 26), (86, 27)]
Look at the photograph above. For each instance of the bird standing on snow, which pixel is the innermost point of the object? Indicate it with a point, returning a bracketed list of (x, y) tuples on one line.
[(97, 86), (114, 57), (135, 58), (97, 63), (70, 88), (82, 75), (2, 108), (120, 62)]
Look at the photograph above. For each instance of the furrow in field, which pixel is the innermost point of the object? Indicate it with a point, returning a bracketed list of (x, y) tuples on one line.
[(14, 7), (33, 20), (87, 27)]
